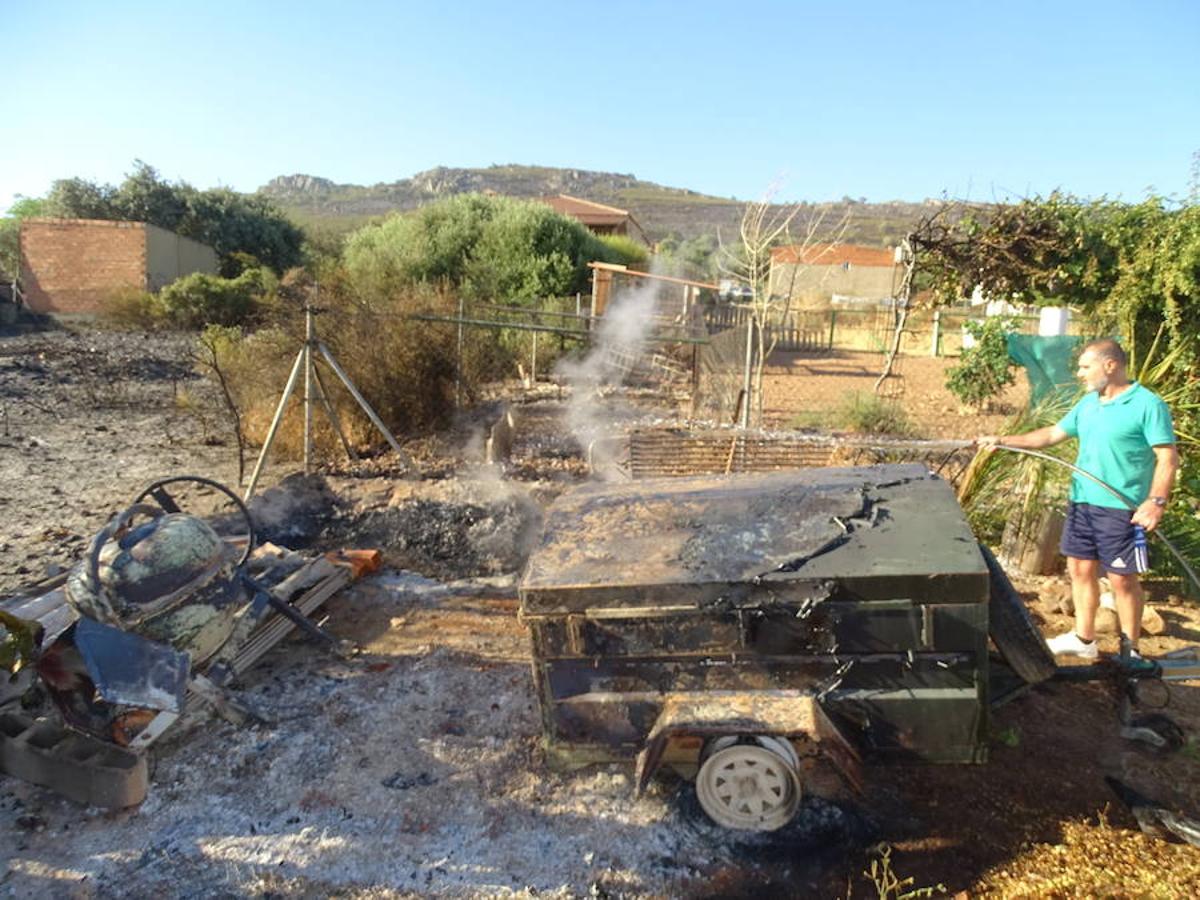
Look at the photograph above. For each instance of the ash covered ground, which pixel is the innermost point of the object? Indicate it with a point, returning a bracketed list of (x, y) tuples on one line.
[(415, 768)]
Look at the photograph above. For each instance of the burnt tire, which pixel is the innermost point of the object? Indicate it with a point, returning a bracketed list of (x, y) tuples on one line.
[(1012, 629)]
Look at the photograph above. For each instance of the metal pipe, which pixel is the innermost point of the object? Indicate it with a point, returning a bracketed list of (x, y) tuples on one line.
[(405, 459), (266, 447)]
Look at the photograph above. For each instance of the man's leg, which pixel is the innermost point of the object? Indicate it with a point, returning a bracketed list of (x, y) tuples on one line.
[(1127, 591), (1085, 590)]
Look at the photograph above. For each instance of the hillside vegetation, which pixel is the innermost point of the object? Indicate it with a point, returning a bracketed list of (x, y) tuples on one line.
[(318, 203)]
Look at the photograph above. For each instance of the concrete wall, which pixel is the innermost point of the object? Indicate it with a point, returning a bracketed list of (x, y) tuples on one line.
[(169, 256), (815, 285), (75, 265)]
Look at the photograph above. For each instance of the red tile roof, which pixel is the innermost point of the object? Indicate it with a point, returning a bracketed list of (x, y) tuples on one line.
[(586, 211), (834, 255)]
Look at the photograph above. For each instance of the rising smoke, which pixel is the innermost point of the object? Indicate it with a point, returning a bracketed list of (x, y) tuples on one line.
[(619, 348)]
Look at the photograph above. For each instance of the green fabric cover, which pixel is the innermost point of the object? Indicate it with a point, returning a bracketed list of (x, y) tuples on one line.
[(1049, 363)]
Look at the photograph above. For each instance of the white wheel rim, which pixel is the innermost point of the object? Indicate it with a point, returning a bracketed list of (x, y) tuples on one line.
[(748, 787)]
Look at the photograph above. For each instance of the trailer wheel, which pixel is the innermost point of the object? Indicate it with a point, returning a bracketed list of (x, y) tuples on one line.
[(748, 787), (1013, 631)]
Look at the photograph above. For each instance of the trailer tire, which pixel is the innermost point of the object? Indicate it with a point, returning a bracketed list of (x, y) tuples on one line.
[(1012, 629)]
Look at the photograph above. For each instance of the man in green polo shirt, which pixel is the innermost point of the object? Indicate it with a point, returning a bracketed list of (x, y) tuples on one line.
[(1126, 440)]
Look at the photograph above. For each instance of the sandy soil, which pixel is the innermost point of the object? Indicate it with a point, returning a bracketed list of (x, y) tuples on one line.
[(807, 389), (415, 770)]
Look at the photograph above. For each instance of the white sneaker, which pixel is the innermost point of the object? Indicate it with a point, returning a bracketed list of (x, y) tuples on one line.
[(1069, 644)]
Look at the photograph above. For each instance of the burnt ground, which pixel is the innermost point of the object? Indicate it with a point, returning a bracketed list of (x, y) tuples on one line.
[(415, 769)]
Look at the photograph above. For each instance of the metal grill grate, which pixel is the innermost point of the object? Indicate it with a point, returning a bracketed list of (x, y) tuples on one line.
[(676, 451)]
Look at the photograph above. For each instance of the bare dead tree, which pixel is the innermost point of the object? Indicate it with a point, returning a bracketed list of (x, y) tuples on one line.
[(765, 226), (208, 356), (901, 301)]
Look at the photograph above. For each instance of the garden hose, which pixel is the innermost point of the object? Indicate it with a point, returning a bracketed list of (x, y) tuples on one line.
[(1191, 574)]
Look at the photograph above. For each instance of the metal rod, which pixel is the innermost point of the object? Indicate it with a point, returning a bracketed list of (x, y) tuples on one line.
[(332, 413), (459, 358), (527, 311), (266, 448), (405, 459), (550, 329), (308, 387)]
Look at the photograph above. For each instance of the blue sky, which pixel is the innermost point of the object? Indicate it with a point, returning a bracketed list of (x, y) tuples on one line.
[(976, 100)]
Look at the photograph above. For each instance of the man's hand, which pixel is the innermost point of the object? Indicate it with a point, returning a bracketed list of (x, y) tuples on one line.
[(1148, 515), (987, 441)]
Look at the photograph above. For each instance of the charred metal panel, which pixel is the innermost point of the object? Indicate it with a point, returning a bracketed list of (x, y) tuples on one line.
[(829, 627), (932, 724), (877, 533), (129, 670)]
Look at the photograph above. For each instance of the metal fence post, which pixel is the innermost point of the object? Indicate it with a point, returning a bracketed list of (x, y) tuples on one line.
[(937, 333), (832, 324)]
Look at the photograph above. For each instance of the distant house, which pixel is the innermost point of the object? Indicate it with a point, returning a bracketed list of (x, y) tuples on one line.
[(598, 218), (820, 273), (75, 265)]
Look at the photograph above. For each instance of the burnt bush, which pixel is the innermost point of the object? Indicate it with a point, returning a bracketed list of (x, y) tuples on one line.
[(405, 367)]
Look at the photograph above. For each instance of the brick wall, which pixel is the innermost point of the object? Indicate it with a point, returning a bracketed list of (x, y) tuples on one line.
[(74, 265)]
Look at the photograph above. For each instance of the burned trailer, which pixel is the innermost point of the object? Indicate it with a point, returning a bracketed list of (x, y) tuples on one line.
[(761, 631)]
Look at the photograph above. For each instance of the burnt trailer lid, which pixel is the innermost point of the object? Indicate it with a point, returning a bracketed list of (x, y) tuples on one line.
[(873, 532)]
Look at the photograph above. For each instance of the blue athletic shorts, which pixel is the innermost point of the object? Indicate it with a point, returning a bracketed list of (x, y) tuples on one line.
[(1105, 534)]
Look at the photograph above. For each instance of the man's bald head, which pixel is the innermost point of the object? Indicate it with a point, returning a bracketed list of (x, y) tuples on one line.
[(1107, 348)]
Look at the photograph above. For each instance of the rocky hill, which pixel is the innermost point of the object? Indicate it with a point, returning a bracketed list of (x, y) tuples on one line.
[(660, 210)]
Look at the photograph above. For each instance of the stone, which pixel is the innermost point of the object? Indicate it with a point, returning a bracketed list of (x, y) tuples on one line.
[(1106, 621), (1152, 621)]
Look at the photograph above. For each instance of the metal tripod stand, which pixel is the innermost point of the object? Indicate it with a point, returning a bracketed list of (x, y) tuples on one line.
[(314, 389)]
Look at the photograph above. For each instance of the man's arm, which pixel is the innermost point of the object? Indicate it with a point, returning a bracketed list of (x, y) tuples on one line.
[(1030, 440), (1166, 464)]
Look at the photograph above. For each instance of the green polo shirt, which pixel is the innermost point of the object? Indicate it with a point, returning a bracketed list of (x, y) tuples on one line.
[(1116, 441)]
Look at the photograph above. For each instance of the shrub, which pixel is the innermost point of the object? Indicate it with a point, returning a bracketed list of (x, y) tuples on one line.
[(869, 414), (134, 309), (404, 368), (196, 300), (983, 370), (488, 247), (624, 250)]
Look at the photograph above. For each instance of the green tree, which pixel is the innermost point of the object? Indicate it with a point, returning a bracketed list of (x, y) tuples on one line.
[(227, 221), (144, 197), (487, 247), (10, 233), (984, 370), (77, 198)]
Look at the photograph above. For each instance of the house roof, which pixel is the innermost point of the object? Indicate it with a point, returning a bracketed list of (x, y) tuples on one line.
[(591, 213), (834, 255), (587, 211)]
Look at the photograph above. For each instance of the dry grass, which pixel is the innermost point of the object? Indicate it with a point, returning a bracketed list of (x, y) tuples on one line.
[(1096, 860), (406, 369)]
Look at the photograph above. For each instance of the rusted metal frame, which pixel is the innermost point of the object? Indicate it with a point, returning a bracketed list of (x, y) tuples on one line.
[(734, 658), (566, 332), (789, 714), (618, 269), (710, 596)]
